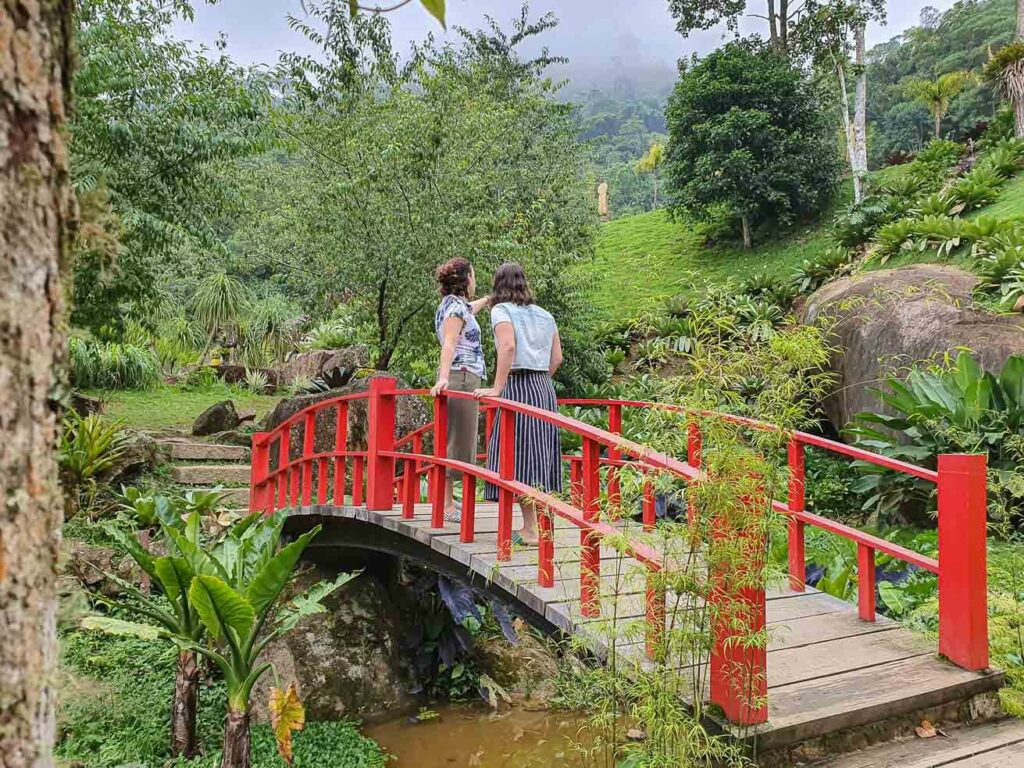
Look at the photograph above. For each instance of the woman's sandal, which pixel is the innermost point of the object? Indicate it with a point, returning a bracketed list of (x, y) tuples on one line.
[(519, 541), (455, 516)]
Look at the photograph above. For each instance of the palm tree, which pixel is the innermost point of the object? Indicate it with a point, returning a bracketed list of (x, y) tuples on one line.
[(937, 94), (1005, 71), (651, 163), (220, 301)]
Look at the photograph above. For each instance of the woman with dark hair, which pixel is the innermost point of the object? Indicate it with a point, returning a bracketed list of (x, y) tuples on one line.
[(529, 352), (462, 365)]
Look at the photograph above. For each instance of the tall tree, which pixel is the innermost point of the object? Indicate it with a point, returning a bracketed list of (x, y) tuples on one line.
[(651, 163), (748, 140), (36, 220), (829, 32), (780, 16), (938, 94)]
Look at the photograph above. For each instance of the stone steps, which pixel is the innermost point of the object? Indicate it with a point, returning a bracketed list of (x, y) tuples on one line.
[(194, 451), (211, 474)]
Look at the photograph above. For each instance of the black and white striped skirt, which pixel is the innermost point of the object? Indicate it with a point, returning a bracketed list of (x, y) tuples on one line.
[(538, 447)]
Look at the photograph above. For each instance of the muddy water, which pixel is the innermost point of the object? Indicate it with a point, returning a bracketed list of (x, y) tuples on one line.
[(462, 737)]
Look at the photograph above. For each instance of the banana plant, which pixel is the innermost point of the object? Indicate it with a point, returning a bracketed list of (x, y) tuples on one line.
[(237, 607), (171, 613)]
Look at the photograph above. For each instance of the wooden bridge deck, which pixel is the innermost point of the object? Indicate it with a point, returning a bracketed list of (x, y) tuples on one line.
[(827, 669)]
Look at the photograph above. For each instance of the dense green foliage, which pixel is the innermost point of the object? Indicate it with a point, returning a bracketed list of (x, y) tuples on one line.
[(748, 141), (959, 39)]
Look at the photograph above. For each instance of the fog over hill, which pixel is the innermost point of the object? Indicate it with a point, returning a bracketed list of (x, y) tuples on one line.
[(629, 42)]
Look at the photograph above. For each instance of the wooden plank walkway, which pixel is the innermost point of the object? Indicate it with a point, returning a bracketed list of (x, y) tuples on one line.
[(827, 669), (991, 745)]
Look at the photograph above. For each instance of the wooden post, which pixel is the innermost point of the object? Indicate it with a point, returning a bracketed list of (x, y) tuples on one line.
[(963, 579), (439, 473), (282, 463), (739, 673), (380, 438), (507, 471), (590, 543), (797, 542), (545, 548), (259, 498), (866, 582), (467, 526), (308, 438), (614, 454), (340, 446)]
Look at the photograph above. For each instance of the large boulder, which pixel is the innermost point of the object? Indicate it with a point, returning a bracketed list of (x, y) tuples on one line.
[(412, 413), (348, 662), (335, 366), (219, 417), (140, 454), (885, 321)]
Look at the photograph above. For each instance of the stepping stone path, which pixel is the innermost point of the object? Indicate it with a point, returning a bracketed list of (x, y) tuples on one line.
[(199, 466)]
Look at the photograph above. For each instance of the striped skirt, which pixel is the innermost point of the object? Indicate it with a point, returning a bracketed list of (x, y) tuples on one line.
[(538, 448)]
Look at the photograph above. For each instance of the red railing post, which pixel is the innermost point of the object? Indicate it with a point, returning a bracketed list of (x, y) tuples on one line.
[(340, 446), (963, 579), (739, 672), (380, 438), (258, 488), (439, 472), (865, 582), (614, 454), (545, 548), (795, 528), (467, 526), (507, 471), (694, 459), (590, 543), (649, 507), (576, 481), (417, 448), (410, 489), (357, 480), (308, 437), (283, 450)]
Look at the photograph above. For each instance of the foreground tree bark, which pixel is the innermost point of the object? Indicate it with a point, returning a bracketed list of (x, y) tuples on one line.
[(36, 209)]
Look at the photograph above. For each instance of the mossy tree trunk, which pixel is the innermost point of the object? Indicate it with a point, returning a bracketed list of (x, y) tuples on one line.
[(236, 739), (36, 210)]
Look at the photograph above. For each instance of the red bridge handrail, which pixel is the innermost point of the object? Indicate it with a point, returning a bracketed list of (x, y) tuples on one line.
[(290, 483)]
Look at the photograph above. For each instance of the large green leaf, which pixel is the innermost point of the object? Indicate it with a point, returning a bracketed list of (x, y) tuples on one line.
[(137, 551), (270, 580), (175, 576), (1011, 381), (199, 561), (967, 371), (221, 608), (436, 9)]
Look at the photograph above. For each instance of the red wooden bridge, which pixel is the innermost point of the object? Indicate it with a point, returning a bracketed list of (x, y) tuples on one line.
[(828, 665)]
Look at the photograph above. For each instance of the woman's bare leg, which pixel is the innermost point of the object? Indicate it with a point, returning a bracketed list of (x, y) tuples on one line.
[(529, 529), (449, 495)]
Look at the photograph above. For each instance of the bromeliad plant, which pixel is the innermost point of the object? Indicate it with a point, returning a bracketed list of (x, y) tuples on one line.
[(960, 408)]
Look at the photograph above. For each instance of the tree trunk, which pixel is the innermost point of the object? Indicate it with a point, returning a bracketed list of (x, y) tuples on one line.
[(773, 30), (655, 189), (784, 25), (186, 701), (860, 109), (747, 240), (36, 218), (1018, 113), (851, 142), (236, 740), (1020, 19), (938, 126)]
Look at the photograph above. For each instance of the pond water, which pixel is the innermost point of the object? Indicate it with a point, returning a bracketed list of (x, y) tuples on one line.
[(472, 736)]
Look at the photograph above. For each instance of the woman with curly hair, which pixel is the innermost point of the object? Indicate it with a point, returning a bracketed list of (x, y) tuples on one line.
[(529, 352), (461, 368)]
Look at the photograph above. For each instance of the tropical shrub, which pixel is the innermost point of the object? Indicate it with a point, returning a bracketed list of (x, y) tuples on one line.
[(939, 154), (256, 382), (939, 232), (88, 447), (976, 189), (938, 204), (110, 365), (1005, 158), (894, 238), (957, 409), (858, 224), (329, 334), (814, 273), (994, 270)]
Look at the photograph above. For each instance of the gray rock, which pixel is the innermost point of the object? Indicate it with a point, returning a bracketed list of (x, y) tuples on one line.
[(141, 454), (219, 417), (887, 320), (347, 663)]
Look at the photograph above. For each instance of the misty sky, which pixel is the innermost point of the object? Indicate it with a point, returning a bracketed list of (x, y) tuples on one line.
[(590, 32)]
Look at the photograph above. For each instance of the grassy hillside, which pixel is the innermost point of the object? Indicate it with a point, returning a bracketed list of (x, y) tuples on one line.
[(645, 259)]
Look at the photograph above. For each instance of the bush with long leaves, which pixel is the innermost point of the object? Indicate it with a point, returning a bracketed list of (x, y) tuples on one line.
[(960, 408)]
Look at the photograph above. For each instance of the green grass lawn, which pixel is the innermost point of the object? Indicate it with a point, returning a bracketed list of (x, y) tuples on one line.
[(642, 260), (171, 408)]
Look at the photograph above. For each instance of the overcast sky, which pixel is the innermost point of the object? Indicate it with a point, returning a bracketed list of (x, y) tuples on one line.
[(590, 32)]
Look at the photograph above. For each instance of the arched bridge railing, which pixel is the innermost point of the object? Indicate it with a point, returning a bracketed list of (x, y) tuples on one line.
[(285, 478)]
